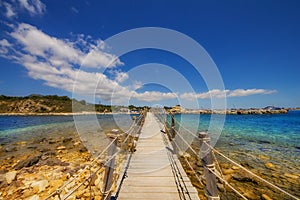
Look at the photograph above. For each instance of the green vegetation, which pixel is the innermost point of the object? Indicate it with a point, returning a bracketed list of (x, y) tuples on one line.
[(47, 104), (36, 103)]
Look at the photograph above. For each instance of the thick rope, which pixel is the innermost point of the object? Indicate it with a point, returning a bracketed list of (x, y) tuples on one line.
[(218, 166), (258, 177), (224, 181), (59, 190), (188, 145), (174, 171), (190, 166)]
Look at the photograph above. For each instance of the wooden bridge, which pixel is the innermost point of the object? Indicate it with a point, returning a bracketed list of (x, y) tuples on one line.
[(154, 172)]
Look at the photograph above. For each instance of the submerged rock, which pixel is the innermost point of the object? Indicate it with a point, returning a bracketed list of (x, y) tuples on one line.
[(244, 177), (53, 162), (250, 195), (292, 176), (227, 171), (269, 165), (11, 149), (28, 162), (66, 140), (265, 197)]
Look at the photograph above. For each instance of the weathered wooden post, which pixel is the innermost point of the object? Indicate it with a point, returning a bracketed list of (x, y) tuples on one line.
[(172, 125), (109, 171), (173, 134), (208, 164)]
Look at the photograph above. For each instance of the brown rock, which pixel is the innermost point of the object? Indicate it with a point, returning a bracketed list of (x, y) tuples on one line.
[(11, 149), (292, 176), (61, 148), (28, 162), (235, 168), (56, 183), (34, 197), (40, 185), (263, 157), (53, 162), (221, 187), (269, 166), (265, 197), (244, 177), (77, 143), (228, 177), (66, 140), (10, 176), (227, 171), (250, 195)]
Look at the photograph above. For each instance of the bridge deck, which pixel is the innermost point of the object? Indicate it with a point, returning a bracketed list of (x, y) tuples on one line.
[(150, 174)]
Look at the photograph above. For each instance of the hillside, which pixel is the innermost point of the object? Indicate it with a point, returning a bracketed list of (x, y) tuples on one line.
[(46, 104)]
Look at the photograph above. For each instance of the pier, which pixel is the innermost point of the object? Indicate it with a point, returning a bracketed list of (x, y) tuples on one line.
[(154, 172), (152, 169)]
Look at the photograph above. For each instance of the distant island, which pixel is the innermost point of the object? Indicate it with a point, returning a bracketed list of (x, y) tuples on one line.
[(36, 104), (241, 111)]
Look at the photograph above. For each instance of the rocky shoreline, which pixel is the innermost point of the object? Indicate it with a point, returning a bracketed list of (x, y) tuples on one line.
[(248, 185), (251, 111), (183, 111), (33, 169)]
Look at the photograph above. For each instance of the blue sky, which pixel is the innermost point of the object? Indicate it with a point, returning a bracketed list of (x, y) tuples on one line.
[(254, 44)]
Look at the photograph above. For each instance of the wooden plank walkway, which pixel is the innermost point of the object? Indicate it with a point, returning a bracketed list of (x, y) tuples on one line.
[(150, 174)]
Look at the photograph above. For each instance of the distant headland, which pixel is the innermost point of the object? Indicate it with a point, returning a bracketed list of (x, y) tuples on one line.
[(63, 105)]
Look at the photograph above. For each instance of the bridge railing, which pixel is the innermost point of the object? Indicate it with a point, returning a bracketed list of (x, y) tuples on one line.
[(208, 180), (102, 165)]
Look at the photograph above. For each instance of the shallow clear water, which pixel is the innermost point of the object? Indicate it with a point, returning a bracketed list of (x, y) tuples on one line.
[(16, 128), (276, 136)]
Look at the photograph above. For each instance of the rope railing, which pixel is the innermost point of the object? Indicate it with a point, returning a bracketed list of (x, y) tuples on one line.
[(126, 168), (190, 166), (226, 183), (220, 175), (179, 181), (96, 160), (253, 174), (181, 186)]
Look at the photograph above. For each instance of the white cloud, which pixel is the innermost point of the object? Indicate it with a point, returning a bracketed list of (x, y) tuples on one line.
[(150, 96), (34, 7), (97, 59), (55, 61), (225, 93), (52, 59), (10, 12), (247, 92), (136, 85), (205, 95), (121, 77), (61, 52), (4, 43)]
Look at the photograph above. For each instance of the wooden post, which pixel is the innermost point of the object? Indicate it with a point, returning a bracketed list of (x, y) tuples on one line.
[(207, 161), (172, 125), (173, 134), (109, 171)]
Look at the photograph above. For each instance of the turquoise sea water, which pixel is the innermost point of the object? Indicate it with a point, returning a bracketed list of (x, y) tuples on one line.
[(18, 128), (277, 136), (246, 137)]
